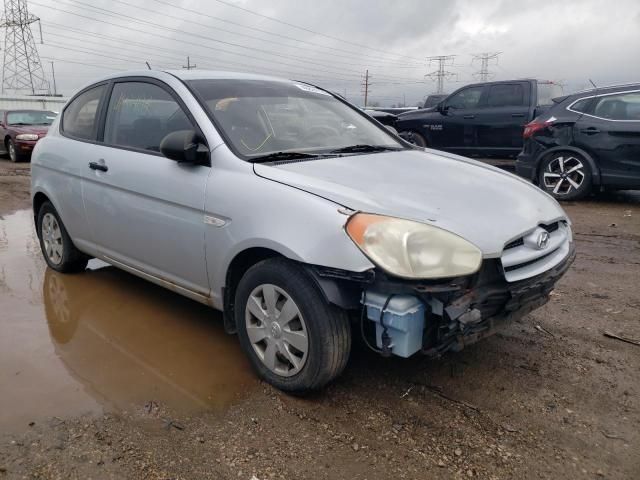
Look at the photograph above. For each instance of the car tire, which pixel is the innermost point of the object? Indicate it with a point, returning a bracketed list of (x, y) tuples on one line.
[(14, 156), (307, 348), (57, 248), (565, 176), (419, 140)]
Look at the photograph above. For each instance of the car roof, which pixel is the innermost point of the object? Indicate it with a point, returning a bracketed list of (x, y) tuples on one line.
[(606, 88), (186, 75)]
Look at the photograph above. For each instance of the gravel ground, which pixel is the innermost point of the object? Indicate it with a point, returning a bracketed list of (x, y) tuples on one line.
[(548, 397)]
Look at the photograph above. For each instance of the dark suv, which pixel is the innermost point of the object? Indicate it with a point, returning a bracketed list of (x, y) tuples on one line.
[(587, 140)]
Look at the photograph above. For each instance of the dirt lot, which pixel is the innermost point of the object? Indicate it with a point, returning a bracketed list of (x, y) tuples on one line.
[(105, 376)]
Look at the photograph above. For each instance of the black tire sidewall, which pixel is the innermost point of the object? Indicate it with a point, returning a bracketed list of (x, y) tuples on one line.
[(70, 261), (10, 145), (584, 189), (314, 309), (422, 142)]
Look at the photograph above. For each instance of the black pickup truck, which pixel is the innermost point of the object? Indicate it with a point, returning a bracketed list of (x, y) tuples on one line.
[(482, 119)]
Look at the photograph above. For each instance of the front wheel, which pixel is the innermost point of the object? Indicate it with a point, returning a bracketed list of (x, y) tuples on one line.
[(294, 338), (565, 176), (14, 156), (415, 138)]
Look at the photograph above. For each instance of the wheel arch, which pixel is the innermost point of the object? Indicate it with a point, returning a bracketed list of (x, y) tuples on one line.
[(595, 170), (39, 198), (238, 266)]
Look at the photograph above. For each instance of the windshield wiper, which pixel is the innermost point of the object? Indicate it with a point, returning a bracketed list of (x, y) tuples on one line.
[(272, 157), (364, 148), (19, 123)]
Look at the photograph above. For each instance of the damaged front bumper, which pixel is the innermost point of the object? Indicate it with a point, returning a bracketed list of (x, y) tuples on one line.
[(457, 313)]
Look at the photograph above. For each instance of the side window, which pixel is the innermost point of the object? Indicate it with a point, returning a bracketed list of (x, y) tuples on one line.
[(581, 105), (80, 118), (622, 106), (467, 98), (506, 95), (141, 114)]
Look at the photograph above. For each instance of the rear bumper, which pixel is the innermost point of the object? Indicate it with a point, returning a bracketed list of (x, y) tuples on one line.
[(525, 166)]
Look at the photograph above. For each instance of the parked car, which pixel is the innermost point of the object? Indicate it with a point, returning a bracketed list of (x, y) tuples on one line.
[(21, 129), (385, 118), (296, 215), (434, 99), (588, 140), (483, 119)]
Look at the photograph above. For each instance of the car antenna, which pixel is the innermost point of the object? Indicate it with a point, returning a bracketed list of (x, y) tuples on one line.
[(594, 85), (149, 66)]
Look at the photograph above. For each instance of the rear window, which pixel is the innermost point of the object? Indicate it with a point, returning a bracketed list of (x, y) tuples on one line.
[(80, 118), (506, 95), (547, 91)]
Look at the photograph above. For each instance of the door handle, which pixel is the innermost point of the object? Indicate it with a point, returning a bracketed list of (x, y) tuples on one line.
[(98, 166), (469, 117), (590, 131), (517, 115)]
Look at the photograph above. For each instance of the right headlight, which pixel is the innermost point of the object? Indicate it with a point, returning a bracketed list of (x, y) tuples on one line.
[(409, 249)]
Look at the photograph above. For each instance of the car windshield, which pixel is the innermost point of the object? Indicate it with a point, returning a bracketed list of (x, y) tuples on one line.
[(30, 118), (261, 118)]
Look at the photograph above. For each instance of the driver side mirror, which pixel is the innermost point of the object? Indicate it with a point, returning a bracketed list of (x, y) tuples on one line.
[(442, 108), (185, 146)]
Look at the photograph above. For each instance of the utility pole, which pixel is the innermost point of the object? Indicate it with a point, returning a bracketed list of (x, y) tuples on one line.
[(21, 68), (441, 74), (188, 66), (53, 75), (483, 74), (366, 84)]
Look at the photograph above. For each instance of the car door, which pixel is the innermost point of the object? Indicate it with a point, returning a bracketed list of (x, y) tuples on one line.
[(610, 132), (502, 120), (458, 129), (146, 211)]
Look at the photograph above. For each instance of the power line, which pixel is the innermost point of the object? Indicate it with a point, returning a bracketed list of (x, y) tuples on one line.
[(110, 13), (273, 19), (350, 55), (21, 69), (441, 74), (483, 74)]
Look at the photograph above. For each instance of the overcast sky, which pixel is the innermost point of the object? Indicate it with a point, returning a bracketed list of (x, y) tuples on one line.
[(332, 42)]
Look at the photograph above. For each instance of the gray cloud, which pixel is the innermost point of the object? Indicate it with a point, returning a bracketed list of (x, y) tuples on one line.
[(568, 40)]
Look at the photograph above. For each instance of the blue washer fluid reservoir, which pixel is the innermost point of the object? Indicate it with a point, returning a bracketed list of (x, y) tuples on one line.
[(403, 317)]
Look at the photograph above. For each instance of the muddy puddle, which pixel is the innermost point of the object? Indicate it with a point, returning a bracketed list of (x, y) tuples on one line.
[(103, 340)]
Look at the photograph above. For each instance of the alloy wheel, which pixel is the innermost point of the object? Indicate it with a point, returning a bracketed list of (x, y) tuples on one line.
[(276, 330), (564, 175), (52, 238)]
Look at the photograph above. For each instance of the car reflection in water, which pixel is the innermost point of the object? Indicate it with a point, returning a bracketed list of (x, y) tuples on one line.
[(129, 342)]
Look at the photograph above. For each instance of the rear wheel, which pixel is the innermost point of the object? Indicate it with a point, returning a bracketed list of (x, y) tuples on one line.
[(294, 338), (57, 248), (565, 176)]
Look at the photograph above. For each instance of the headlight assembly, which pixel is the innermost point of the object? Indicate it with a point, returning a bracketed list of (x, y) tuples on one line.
[(411, 249), (26, 136)]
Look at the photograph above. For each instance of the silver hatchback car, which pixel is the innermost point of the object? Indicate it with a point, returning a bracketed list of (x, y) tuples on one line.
[(296, 214)]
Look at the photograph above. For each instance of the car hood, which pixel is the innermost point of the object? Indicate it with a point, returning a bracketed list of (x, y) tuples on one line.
[(485, 205), (37, 129)]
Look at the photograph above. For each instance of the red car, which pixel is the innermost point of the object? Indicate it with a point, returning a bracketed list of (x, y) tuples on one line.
[(21, 129)]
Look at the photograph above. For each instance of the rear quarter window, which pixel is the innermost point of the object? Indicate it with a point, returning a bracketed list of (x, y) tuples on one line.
[(80, 118), (581, 106)]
